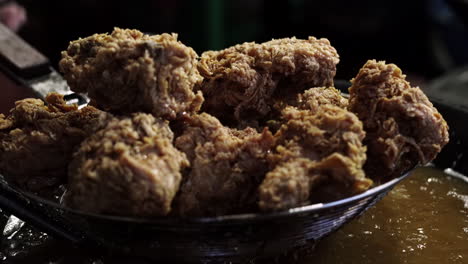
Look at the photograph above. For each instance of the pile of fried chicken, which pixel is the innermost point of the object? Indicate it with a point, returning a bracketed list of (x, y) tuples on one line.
[(254, 127)]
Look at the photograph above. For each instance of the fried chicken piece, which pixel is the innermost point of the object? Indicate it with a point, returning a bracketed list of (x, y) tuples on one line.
[(128, 168), (403, 128), (286, 186), (37, 140), (318, 158), (227, 167), (128, 71), (241, 82), (313, 98), (310, 99)]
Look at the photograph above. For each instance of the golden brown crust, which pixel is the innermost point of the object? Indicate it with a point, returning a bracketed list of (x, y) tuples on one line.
[(128, 71), (403, 128), (241, 82), (318, 157), (128, 168), (227, 167), (37, 140), (313, 98), (324, 148)]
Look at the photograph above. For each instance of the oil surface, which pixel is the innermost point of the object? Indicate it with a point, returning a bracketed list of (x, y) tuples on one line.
[(423, 220)]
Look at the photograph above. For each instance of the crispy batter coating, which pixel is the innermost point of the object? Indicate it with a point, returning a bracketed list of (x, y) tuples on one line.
[(227, 167), (318, 158), (37, 140), (403, 128), (241, 82), (128, 168), (312, 98), (224, 160), (128, 71)]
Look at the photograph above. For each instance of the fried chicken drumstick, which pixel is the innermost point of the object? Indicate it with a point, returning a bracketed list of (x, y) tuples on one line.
[(241, 82), (128, 71), (37, 139), (403, 128)]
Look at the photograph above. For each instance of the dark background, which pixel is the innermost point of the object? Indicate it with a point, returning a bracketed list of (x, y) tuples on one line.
[(426, 38), (423, 37)]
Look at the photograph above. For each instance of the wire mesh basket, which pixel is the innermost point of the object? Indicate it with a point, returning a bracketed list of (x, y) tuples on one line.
[(232, 238)]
